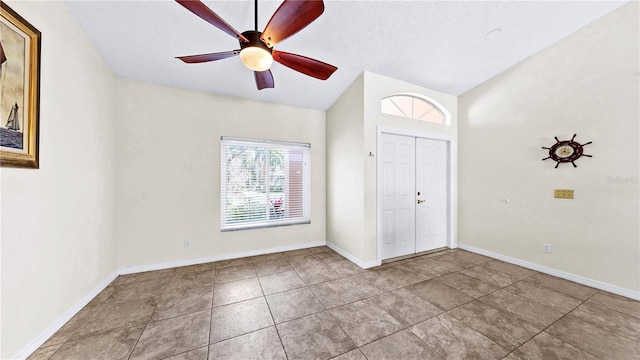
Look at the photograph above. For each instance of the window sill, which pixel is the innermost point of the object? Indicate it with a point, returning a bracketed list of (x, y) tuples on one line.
[(263, 225)]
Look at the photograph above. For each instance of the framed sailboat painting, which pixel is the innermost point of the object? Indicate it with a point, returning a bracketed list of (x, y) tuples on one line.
[(19, 90)]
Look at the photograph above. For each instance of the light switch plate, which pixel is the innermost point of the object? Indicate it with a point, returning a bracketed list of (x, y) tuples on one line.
[(563, 194)]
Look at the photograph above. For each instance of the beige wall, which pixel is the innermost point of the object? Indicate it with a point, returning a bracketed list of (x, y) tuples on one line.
[(586, 84), (345, 170), (352, 124), (168, 182), (57, 221)]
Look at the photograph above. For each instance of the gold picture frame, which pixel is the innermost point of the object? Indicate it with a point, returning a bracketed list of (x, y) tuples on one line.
[(19, 90)]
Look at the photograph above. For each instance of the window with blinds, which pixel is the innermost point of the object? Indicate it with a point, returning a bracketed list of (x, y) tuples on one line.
[(264, 183)]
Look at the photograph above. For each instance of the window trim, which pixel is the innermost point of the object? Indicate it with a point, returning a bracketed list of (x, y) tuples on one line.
[(263, 141), (435, 104), (306, 186)]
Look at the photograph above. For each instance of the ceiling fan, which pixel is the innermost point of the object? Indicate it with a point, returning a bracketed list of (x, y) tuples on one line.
[(256, 48)]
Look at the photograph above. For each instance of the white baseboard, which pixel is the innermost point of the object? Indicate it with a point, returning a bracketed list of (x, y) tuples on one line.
[(635, 295), (353, 259), (32, 346), (172, 264)]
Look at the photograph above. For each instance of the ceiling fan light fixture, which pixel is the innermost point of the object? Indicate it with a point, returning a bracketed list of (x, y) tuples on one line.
[(255, 54), (256, 59), (256, 48)]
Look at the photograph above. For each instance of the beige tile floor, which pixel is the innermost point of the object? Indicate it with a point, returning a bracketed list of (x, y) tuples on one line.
[(314, 304)]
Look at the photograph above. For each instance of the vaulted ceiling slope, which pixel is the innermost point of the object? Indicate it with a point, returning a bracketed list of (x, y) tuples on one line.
[(449, 46)]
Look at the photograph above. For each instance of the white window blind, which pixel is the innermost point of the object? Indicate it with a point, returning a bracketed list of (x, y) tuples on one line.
[(264, 183)]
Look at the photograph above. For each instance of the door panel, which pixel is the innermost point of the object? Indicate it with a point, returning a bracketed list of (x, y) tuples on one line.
[(388, 226), (432, 183), (398, 197)]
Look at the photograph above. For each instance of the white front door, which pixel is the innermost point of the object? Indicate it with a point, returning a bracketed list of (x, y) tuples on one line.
[(431, 191), (398, 161), (413, 194)]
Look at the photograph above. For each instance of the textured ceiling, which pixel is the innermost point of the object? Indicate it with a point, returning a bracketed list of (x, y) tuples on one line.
[(442, 45)]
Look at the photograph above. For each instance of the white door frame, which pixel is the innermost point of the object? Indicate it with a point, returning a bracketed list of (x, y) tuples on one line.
[(452, 189)]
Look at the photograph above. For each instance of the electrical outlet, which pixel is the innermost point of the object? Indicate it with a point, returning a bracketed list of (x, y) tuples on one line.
[(563, 194), (187, 243), (338, 233), (546, 248)]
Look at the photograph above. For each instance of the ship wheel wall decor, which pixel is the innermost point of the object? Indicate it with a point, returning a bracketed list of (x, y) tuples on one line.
[(566, 151)]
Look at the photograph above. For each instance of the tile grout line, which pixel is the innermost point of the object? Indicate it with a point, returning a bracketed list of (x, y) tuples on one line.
[(548, 326), (385, 292), (326, 309), (541, 331), (499, 310), (165, 290), (367, 298), (272, 319), (213, 293), (608, 308), (150, 317)]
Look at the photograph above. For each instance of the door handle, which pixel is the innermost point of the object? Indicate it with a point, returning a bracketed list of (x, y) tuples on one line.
[(421, 201)]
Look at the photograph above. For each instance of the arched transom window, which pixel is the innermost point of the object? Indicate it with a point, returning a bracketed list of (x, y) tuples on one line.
[(413, 107)]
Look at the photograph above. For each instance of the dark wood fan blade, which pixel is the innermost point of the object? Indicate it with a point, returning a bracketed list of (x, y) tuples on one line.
[(291, 17), (264, 79), (192, 59), (200, 9), (305, 65)]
